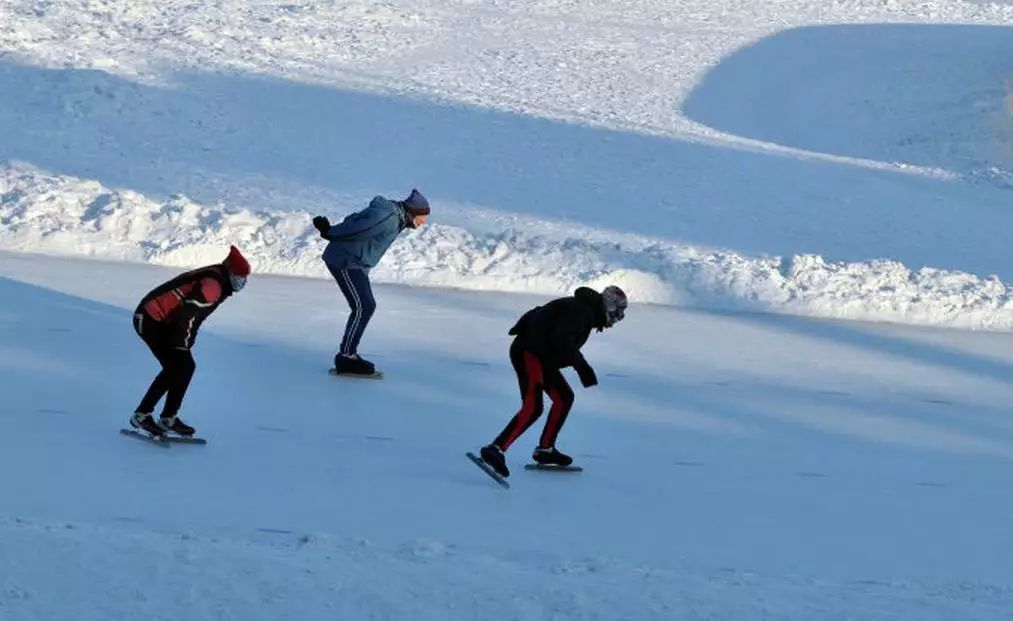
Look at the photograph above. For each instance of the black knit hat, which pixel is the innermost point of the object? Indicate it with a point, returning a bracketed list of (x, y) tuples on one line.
[(416, 204)]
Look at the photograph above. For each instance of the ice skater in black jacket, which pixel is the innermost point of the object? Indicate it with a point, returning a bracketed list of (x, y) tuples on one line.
[(549, 338)]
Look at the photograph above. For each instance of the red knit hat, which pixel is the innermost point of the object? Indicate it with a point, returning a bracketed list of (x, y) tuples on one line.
[(237, 263)]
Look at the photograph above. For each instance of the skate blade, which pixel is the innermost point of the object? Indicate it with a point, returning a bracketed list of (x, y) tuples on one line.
[(551, 468), (165, 440), (377, 375), (486, 468), (185, 440), (160, 441)]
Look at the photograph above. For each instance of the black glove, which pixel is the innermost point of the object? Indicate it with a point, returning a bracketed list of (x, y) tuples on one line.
[(586, 374), (323, 225)]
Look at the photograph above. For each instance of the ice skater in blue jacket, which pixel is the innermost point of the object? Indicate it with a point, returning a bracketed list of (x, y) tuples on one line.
[(356, 245)]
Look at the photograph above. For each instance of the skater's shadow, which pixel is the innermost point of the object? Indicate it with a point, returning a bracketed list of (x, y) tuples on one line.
[(87, 348), (759, 409), (884, 339), (749, 411)]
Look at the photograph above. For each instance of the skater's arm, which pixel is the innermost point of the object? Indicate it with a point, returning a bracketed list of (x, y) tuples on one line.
[(565, 340), (364, 224), (579, 363), (588, 377)]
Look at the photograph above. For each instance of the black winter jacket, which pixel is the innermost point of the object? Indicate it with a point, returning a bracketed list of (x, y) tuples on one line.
[(556, 331)]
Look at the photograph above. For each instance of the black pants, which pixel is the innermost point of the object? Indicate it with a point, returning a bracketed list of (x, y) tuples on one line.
[(177, 367), (534, 378), (354, 284)]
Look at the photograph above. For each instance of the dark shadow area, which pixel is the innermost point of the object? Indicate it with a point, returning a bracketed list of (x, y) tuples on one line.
[(784, 419), (866, 336), (214, 136), (66, 354), (928, 95)]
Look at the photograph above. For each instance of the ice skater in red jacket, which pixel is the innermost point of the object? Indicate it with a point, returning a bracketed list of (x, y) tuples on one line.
[(167, 320)]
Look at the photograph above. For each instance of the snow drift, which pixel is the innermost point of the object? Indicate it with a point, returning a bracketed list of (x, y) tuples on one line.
[(61, 215)]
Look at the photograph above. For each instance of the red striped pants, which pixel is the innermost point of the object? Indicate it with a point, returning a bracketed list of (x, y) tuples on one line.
[(535, 378)]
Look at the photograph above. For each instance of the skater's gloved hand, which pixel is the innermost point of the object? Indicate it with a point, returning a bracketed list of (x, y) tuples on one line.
[(323, 225), (586, 374)]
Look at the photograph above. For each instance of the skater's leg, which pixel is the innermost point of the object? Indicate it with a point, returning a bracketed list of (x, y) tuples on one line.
[(341, 277), (159, 386), (354, 284), (180, 368), (367, 306), (529, 377), (562, 400), (150, 333)]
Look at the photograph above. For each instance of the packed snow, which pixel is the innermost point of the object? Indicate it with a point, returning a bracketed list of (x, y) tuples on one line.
[(784, 158), (769, 181), (61, 215)]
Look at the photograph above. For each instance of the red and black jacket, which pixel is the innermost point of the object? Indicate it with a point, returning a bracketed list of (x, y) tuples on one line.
[(182, 304), (556, 331)]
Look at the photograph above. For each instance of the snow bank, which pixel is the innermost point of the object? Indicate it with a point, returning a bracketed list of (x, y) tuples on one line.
[(40, 212)]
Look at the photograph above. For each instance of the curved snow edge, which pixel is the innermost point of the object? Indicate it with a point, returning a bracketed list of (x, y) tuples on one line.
[(62, 215)]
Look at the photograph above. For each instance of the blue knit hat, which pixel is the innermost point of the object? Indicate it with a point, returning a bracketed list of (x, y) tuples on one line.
[(416, 204)]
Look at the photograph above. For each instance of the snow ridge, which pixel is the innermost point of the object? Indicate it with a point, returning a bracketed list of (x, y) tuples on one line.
[(62, 215)]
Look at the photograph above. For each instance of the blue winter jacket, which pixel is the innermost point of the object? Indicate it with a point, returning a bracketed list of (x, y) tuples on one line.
[(362, 238)]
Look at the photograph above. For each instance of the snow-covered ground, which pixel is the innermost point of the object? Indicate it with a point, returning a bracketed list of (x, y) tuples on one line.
[(850, 160), (741, 467), (734, 165)]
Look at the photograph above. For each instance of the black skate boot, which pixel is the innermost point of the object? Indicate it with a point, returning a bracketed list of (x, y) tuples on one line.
[(495, 458), (353, 365), (176, 426), (146, 422), (551, 457)]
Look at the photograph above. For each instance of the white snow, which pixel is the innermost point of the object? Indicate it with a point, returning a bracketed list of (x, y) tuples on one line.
[(696, 153), (489, 251), (733, 165)]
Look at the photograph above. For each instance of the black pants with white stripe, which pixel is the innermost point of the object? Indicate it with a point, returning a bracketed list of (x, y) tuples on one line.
[(354, 284), (177, 367)]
